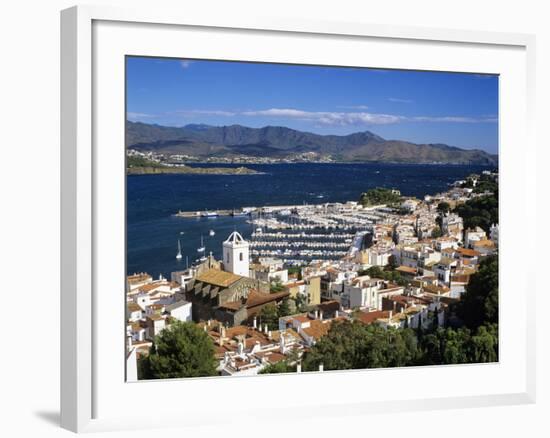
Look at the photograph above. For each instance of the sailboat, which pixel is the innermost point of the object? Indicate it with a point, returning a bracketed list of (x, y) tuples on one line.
[(201, 248), (178, 255), (212, 233)]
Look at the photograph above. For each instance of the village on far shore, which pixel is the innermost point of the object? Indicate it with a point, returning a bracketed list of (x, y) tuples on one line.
[(398, 262)]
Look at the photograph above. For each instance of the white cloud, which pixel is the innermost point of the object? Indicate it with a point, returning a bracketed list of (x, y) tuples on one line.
[(398, 100), (358, 118), (139, 116), (326, 117), (322, 118)]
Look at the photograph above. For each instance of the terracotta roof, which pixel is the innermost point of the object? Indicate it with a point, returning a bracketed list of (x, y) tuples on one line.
[(294, 284), (468, 252), (317, 329), (446, 261), (370, 317), (403, 299), (462, 278), (256, 298), (435, 289), (236, 331), (154, 317), (137, 278), (406, 270), (301, 318), (133, 307), (288, 333), (329, 306), (274, 357), (136, 326), (218, 278), (151, 286), (485, 243)]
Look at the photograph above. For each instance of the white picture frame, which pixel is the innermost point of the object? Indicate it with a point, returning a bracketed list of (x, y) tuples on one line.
[(93, 39)]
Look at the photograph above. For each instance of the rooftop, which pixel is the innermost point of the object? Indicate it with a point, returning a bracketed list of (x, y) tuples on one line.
[(317, 328), (468, 252), (370, 317), (218, 278), (137, 278), (133, 307), (406, 270)]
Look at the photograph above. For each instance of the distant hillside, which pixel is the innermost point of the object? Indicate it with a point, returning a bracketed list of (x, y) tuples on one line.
[(281, 142), (143, 166)]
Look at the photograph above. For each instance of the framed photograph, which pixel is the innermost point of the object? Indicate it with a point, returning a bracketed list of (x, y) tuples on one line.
[(287, 207)]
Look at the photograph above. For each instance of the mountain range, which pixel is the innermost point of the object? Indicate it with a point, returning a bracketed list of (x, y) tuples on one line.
[(201, 140)]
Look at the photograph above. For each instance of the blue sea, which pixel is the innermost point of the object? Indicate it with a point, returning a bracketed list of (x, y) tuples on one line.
[(152, 201)]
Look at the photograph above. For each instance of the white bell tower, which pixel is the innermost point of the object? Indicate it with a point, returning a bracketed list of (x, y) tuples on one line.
[(235, 255)]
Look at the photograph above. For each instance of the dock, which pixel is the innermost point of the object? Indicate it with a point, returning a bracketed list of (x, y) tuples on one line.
[(192, 214), (300, 233)]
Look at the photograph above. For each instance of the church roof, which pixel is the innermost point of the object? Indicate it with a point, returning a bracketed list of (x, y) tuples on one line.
[(256, 298), (235, 237), (218, 278)]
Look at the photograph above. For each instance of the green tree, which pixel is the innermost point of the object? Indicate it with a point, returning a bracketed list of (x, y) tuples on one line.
[(180, 350), (284, 309), (270, 315), (295, 270), (479, 304), (354, 345), (484, 344), (443, 207), (486, 183), (481, 211), (432, 348), (389, 275), (301, 303), (436, 232), (379, 196), (455, 346), (373, 271), (276, 286), (277, 368)]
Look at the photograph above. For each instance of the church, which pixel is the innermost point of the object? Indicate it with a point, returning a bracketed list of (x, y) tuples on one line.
[(224, 291)]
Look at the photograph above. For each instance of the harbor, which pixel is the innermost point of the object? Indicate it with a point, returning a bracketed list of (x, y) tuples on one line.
[(166, 208), (300, 234)]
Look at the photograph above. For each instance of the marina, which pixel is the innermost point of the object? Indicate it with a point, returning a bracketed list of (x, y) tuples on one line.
[(303, 233), (284, 199)]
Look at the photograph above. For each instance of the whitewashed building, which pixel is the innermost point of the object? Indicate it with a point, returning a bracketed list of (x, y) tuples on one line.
[(236, 255), (180, 310)]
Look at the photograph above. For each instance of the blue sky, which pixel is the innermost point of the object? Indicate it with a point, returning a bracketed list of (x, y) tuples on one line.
[(423, 107)]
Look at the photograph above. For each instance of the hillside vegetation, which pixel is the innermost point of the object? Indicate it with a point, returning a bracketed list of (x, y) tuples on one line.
[(281, 142)]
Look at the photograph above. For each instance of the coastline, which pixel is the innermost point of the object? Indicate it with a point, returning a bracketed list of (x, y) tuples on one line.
[(154, 201), (187, 170), (381, 163)]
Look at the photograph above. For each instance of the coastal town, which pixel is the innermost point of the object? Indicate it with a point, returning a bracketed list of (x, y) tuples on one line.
[(175, 159), (382, 262)]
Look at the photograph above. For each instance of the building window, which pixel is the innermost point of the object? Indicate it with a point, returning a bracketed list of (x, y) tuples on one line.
[(227, 258), (241, 256)]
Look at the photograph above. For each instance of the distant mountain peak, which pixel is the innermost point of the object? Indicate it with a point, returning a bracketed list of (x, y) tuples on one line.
[(203, 140)]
